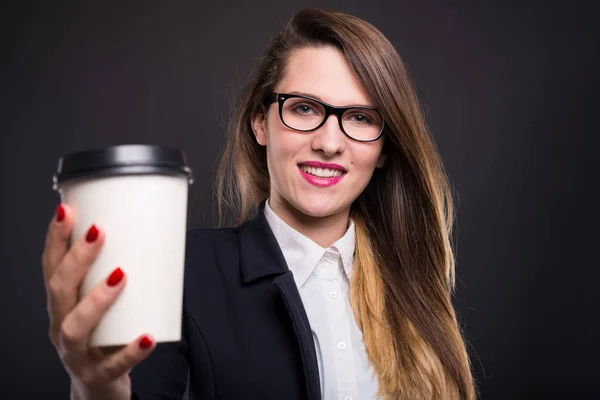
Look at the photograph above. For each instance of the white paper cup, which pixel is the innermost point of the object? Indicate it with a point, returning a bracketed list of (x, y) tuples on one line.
[(138, 195)]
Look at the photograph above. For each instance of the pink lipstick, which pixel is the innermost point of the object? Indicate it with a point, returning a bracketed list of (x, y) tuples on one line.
[(318, 180)]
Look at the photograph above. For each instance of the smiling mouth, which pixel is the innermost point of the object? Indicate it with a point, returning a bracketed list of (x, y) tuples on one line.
[(321, 172)]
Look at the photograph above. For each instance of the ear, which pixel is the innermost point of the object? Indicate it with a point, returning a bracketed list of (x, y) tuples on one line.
[(258, 122)]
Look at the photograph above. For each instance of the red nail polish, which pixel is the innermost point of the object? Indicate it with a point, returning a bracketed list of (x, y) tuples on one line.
[(60, 213), (145, 342), (92, 234), (115, 277)]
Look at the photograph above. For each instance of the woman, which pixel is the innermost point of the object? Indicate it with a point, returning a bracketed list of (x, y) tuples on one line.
[(336, 283)]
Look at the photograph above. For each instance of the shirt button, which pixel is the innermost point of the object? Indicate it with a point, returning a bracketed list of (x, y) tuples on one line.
[(333, 295), (341, 345)]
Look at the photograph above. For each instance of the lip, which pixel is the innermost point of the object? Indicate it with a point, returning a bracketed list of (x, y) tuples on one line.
[(318, 181), (318, 164)]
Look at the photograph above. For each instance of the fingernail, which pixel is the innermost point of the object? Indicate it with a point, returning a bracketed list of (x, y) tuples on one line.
[(115, 277), (60, 213), (145, 342), (92, 234)]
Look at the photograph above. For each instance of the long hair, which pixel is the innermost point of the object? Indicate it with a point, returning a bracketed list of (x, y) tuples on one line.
[(403, 275)]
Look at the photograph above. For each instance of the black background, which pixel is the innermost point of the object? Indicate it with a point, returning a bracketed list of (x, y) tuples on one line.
[(510, 90)]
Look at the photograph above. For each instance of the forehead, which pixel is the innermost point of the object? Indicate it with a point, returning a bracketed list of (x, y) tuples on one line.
[(324, 73)]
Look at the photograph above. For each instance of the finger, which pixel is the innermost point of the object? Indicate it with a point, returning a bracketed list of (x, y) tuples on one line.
[(121, 362), (77, 325), (57, 239), (63, 286)]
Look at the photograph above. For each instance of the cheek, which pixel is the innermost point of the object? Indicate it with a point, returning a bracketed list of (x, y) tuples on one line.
[(277, 147), (281, 150), (283, 144), (275, 136), (366, 156)]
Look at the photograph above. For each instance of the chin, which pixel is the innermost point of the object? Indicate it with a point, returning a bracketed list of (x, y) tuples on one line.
[(320, 208)]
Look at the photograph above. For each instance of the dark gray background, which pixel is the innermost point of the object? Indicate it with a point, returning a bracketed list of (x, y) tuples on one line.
[(510, 92)]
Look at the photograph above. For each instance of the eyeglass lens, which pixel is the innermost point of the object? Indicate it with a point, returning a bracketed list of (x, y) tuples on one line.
[(305, 115)]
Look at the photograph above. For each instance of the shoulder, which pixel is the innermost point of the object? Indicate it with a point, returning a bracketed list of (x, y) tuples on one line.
[(212, 268), (212, 237), (210, 250), (207, 242)]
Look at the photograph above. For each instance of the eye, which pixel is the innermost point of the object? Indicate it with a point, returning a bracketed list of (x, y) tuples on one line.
[(360, 118), (304, 109)]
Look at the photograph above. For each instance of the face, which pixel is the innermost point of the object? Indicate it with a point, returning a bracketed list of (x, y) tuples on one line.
[(325, 74)]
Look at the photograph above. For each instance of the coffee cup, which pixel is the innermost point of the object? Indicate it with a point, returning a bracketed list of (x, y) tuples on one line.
[(138, 195)]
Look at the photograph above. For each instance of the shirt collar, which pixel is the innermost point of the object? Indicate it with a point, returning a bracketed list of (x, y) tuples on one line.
[(302, 254)]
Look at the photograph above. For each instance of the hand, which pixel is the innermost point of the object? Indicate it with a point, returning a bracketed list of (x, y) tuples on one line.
[(95, 373)]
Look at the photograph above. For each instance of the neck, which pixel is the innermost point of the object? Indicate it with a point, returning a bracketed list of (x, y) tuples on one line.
[(324, 231)]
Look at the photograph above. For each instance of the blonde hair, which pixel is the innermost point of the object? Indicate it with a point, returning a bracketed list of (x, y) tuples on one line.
[(404, 267)]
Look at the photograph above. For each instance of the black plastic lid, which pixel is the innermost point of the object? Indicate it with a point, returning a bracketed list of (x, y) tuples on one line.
[(130, 159)]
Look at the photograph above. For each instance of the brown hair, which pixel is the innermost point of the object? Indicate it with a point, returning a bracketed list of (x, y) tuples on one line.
[(404, 267)]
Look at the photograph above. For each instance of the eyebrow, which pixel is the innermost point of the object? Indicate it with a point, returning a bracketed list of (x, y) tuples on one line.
[(314, 96)]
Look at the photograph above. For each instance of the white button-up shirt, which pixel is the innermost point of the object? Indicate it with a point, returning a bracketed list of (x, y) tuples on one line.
[(322, 277)]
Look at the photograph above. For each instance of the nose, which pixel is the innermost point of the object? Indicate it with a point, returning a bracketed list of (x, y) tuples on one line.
[(329, 138)]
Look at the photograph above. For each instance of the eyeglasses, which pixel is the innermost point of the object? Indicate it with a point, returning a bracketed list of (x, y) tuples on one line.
[(306, 114)]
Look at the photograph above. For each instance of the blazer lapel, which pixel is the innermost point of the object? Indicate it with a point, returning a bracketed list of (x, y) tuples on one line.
[(289, 292), (262, 257)]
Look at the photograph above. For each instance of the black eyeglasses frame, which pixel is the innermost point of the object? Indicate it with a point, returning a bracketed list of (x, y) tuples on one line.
[(329, 110)]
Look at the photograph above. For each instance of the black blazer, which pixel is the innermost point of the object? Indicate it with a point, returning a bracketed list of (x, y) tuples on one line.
[(245, 331)]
